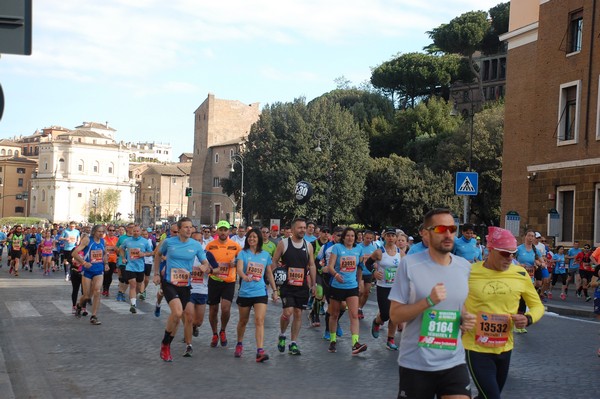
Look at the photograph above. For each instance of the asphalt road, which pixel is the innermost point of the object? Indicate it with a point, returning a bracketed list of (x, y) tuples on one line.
[(48, 353)]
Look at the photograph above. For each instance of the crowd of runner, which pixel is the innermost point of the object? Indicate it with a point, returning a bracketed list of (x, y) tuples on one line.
[(455, 301)]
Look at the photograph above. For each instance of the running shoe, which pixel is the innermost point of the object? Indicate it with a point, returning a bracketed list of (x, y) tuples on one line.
[(293, 349), (375, 328), (358, 347), (132, 309), (142, 296), (165, 353), (74, 310), (157, 311), (239, 348), (119, 294), (281, 344), (84, 311), (521, 330), (78, 312), (223, 338), (360, 314), (331, 348), (195, 331), (16, 273), (94, 320), (67, 277), (588, 298), (261, 356), (549, 295), (326, 336), (188, 351), (31, 270), (391, 345), (11, 270), (104, 293), (563, 296), (339, 332), (578, 294), (316, 321), (214, 341)]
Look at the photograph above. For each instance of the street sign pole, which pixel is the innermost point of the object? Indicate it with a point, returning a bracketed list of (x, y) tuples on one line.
[(467, 184)]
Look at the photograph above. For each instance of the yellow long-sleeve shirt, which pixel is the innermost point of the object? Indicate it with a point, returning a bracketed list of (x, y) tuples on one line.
[(493, 298)]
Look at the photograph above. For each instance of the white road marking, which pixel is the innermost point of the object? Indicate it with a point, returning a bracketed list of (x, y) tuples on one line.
[(20, 309)]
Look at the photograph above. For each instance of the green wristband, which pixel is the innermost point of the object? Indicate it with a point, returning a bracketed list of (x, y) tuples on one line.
[(429, 301)]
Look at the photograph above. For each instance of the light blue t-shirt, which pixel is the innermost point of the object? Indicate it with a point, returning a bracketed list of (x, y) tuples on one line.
[(72, 236), (559, 266), (416, 248), (467, 249), (255, 265), (346, 263), (309, 238), (525, 257), (2, 236), (573, 253), (367, 251), (132, 248), (180, 255)]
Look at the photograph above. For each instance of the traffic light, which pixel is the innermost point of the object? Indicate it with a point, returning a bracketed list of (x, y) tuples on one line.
[(188, 191)]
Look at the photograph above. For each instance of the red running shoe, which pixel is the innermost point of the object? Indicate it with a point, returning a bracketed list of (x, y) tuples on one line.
[(165, 353), (214, 341), (223, 338)]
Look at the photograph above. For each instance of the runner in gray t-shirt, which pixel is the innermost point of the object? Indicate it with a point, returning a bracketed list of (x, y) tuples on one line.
[(428, 294)]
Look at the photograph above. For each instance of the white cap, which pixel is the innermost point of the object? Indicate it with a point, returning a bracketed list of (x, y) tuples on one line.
[(411, 238)]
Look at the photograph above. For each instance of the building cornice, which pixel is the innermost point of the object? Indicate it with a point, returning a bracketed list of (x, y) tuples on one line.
[(563, 165)]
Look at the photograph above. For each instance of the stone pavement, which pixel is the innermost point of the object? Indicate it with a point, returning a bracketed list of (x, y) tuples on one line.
[(48, 353)]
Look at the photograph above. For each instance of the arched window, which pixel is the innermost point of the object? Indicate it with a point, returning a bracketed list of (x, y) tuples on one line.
[(3, 152), (43, 195), (17, 153), (9, 152)]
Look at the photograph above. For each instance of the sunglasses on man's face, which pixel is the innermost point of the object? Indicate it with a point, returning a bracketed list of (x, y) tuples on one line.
[(441, 229), (505, 254)]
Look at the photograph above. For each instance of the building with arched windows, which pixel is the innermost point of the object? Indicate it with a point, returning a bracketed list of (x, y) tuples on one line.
[(81, 173)]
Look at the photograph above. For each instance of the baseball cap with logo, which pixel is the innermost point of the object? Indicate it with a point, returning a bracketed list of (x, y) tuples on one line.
[(223, 224)]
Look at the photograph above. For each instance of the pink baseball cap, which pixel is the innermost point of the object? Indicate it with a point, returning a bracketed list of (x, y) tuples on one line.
[(501, 240)]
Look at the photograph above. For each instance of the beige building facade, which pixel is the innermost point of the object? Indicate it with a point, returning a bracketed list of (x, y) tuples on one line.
[(220, 126), (15, 185)]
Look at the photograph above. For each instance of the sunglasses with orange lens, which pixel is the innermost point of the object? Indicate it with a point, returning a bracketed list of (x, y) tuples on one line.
[(441, 229)]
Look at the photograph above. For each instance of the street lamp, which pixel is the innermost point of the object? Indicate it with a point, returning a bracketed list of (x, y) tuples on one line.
[(95, 192), (466, 96), (154, 207), (323, 134), (239, 159)]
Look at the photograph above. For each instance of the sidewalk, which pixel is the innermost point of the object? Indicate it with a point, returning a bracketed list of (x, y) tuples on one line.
[(571, 306)]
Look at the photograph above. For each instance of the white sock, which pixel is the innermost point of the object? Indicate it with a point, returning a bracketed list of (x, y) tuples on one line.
[(133, 301)]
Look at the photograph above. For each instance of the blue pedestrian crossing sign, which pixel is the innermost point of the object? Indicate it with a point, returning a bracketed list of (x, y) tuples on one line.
[(467, 183)]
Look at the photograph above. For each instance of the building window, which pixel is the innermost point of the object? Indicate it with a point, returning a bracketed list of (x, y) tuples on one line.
[(20, 182), (45, 165), (19, 209), (597, 216), (80, 165), (502, 72), (43, 195), (174, 180), (565, 205), (568, 113), (21, 171), (216, 158), (231, 154), (575, 31), (17, 153), (216, 182), (494, 69), (3, 152), (96, 167), (9, 152), (79, 195), (110, 169), (486, 70)]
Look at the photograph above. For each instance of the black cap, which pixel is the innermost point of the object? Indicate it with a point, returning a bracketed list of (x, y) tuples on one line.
[(390, 230)]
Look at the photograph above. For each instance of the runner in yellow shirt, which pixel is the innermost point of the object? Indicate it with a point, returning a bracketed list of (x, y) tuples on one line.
[(495, 286)]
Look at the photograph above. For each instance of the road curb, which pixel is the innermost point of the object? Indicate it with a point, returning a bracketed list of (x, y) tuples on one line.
[(570, 311)]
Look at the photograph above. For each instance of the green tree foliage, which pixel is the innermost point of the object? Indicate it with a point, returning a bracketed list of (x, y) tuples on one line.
[(373, 112), (453, 152), (108, 202), (280, 151), (399, 192), (411, 77), (417, 131), (499, 16), (463, 35)]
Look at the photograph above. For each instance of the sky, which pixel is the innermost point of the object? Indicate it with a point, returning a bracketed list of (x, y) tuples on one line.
[(144, 66)]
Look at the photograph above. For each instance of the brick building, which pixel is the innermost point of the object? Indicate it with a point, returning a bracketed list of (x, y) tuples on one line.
[(220, 126), (551, 158)]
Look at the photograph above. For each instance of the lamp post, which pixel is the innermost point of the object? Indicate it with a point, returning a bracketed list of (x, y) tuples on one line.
[(153, 203), (467, 97), (323, 134), (239, 159), (95, 193)]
